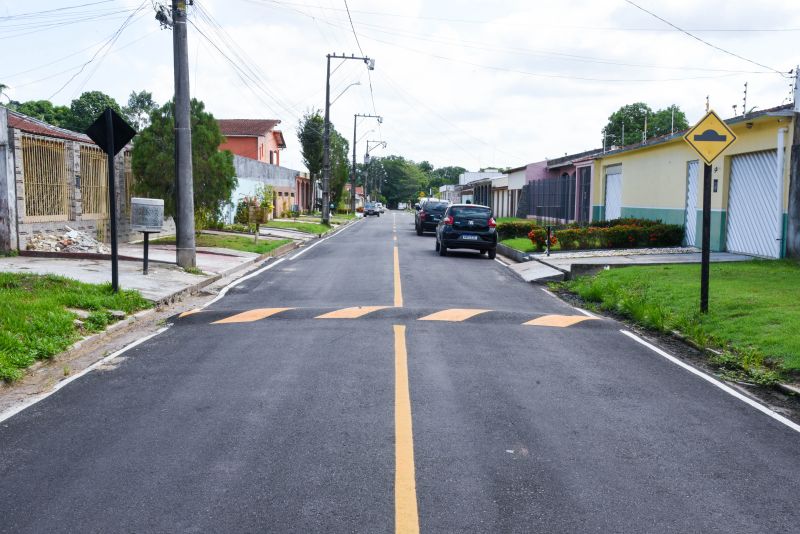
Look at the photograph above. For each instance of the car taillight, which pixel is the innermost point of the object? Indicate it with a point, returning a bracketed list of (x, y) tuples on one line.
[(448, 220), (492, 224), (422, 216)]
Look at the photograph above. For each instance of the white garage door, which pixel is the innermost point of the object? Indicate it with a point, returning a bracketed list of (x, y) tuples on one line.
[(752, 213), (613, 192), (691, 203)]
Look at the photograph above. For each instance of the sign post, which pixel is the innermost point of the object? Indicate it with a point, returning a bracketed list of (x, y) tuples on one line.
[(709, 138), (111, 133)]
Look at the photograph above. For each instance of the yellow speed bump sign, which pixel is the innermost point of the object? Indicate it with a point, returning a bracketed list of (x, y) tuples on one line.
[(710, 137)]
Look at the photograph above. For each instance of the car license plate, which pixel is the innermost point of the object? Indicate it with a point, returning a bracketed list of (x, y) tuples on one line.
[(471, 237)]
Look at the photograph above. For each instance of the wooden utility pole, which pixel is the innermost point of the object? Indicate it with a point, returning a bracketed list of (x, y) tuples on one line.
[(793, 230)]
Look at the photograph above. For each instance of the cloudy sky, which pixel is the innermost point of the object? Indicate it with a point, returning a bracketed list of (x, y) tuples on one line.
[(475, 84)]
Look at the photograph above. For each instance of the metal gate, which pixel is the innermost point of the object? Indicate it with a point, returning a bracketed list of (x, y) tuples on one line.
[(752, 217), (690, 237), (584, 194), (613, 192)]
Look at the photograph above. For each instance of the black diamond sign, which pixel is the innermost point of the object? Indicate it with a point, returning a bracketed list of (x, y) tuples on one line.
[(121, 132)]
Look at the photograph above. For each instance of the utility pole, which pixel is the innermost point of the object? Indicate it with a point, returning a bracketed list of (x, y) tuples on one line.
[(326, 136), (367, 160), (185, 247), (793, 231), (353, 173)]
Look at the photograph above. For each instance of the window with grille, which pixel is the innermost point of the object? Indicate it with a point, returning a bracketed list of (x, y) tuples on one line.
[(45, 178), (94, 181)]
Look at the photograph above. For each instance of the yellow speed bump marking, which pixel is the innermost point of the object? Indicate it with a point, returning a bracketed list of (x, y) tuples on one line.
[(190, 312), (350, 313), (454, 315), (406, 517), (251, 315), (559, 321)]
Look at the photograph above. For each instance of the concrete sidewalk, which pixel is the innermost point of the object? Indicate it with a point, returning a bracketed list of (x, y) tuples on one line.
[(164, 280), (564, 265)]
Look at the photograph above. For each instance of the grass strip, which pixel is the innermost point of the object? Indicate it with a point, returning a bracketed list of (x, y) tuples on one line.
[(523, 244), (754, 312), (308, 227), (35, 323), (234, 242)]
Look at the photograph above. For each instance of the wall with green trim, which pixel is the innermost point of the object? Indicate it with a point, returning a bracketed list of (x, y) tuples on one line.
[(598, 213), (719, 221), (665, 215)]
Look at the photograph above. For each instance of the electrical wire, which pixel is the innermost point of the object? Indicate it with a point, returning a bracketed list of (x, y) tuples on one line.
[(715, 47), (107, 46)]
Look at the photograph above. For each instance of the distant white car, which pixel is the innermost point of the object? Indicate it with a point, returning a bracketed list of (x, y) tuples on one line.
[(380, 207)]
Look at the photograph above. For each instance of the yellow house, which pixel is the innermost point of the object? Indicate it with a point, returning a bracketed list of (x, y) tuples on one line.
[(663, 179)]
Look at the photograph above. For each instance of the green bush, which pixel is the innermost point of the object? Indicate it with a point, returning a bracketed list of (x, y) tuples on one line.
[(638, 234), (512, 229)]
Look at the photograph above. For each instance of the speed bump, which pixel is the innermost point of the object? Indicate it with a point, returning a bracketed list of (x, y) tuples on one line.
[(559, 321), (453, 315), (251, 315)]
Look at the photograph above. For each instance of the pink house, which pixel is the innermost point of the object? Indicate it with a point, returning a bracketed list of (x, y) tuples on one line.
[(253, 138)]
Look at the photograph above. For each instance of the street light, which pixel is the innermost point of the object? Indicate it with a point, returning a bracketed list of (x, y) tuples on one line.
[(353, 172), (366, 161), (343, 92), (326, 138)]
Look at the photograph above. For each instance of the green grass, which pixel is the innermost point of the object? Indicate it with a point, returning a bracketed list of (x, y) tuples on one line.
[(235, 242), (308, 227), (512, 219), (523, 244), (754, 312), (35, 323)]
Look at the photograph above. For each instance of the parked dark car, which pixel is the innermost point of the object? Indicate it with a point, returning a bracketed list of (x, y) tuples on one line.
[(469, 226), (429, 214), (371, 209)]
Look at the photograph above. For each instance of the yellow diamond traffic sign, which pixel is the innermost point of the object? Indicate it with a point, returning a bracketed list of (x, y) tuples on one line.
[(710, 137)]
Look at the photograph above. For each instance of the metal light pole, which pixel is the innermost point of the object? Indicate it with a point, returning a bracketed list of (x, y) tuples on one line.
[(353, 170), (326, 136), (367, 160), (185, 247)]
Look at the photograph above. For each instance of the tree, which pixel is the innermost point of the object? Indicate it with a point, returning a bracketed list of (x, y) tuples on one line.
[(661, 121), (44, 110), (633, 117), (87, 107), (154, 161), (340, 166), (140, 106), (3, 88), (309, 133), (404, 179)]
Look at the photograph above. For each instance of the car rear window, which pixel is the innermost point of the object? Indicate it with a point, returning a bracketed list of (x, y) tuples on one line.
[(436, 206), (470, 211)]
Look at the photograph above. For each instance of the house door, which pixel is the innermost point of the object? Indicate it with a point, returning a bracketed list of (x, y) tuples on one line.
[(752, 214), (613, 192), (690, 237), (584, 193)]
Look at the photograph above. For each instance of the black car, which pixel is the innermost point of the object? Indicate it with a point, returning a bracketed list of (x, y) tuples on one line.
[(469, 226), (429, 214)]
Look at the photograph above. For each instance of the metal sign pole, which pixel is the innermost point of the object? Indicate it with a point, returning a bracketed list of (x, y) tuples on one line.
[(706, 251), (112, 205)]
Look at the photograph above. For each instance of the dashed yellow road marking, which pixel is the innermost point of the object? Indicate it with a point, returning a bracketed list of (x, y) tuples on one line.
[(560, 321), (406, 516), (454, 315), (251, 315), (350, 313), (398, 290), (190, 312)]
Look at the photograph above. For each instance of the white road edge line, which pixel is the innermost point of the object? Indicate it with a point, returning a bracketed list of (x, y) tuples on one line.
[(501, 262), (727, 389), (586, 313), (321, 240), (17, 409), (549, 293), (225, 289)]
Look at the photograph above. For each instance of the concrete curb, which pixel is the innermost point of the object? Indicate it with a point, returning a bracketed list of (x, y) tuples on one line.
[(512, 253)]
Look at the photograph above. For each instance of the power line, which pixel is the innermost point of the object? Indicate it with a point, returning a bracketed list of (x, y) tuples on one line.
[(65, 8), (715, 47), (353, 27), (107, 46)]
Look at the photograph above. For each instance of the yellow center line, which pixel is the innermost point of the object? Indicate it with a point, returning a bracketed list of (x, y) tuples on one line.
[(406, 517), (559, 321), (350, 313), (398, 290), (251, 315), (454, 314)]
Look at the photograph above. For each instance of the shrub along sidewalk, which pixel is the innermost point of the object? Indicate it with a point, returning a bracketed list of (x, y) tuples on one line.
[(754, 313), (36, 322)]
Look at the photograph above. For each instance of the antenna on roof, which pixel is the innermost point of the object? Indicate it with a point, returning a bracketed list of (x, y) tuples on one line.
[(707, 106), (744, 101)]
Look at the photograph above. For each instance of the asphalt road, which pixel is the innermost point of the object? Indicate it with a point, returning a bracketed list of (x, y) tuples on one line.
[(258, 414)]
